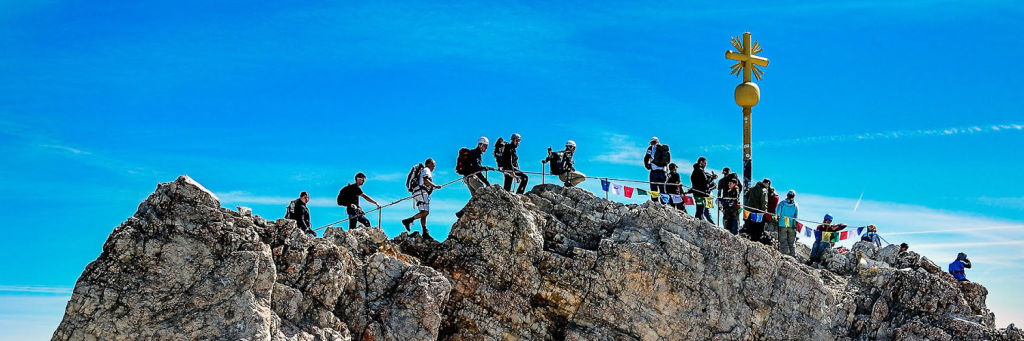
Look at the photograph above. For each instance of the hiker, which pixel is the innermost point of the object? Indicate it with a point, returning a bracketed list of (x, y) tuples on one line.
[(470, 166), (956, 268), (420, 183), (904, 247), (757, 204), (730, 204), (727, 176), (872, 236), (824, 238), (675, 187), (507, 159), (701, 185), (655, 160), (298, 211), (349, 196), (787, 215), (563, 166), (771, 220)]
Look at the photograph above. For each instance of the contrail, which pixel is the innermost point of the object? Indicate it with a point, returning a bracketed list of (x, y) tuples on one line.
[(855, 206), (890, 135)]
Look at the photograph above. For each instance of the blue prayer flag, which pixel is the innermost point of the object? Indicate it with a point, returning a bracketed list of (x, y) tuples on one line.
[(859, 230), (605, 184)]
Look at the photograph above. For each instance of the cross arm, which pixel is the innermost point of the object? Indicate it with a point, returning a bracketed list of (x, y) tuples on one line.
[(756, 60)]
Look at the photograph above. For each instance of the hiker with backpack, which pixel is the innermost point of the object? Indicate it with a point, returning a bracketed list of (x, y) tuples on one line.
[(787, 212), (956, 268), (420, 182), (771, 220), (675, 186), (562, 165), (470, 166), (656, 160), (824, 237), (507, 159), (702, 184), (872, 236), (730, 205), (348, 197), (756, 202), (298, 211)]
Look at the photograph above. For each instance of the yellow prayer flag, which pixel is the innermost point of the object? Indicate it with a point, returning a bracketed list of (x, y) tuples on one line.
[(654, 194)]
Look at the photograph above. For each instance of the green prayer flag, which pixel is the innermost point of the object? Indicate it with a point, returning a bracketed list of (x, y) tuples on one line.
[(640, 192)]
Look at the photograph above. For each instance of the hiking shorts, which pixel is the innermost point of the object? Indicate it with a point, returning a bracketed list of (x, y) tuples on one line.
[(422, 199)]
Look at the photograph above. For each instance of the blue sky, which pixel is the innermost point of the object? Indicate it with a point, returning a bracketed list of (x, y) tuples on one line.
[(908, 103)]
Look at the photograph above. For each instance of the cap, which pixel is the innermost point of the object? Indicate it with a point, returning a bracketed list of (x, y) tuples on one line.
[(791, 193), (570, 143), (654, 139), (828, 217), (484, 140), (516, 137)]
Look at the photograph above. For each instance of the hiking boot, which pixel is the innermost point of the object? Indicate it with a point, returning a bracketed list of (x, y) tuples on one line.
[(406, 223), (426, 234)]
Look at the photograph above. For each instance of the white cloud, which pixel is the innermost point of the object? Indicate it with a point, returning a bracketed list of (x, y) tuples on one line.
[(35, 289), (243, 198)]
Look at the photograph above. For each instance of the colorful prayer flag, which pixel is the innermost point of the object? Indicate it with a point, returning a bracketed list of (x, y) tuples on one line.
[(843, 235), (616, 189), (709, 202), (859, 230), (746, 214), (817, 235), (605, 184), (807, 232), (666, 199), (688, 200), (641, 191), (798, 227), (629, 191), (677, 199), (654, 194)]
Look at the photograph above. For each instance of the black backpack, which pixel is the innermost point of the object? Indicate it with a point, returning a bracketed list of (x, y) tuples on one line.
[(462, 163), (662, 157), (288, 212), (500, 157), (412, 181), (557, 161), (342, 202)]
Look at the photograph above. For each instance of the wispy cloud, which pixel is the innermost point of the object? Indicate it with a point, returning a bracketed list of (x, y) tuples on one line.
[(975, 228), (970, 244), (35, 289), (246, 198), (624, 150), (889, 135)]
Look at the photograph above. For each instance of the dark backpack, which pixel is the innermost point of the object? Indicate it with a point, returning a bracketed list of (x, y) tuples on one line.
[(662, 157), (289, 211), (499, 152), (557, 161), (412, 181), (462, 163), (342, 202)]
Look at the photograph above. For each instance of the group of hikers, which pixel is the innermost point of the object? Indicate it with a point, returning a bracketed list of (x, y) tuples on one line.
[(776, 215)]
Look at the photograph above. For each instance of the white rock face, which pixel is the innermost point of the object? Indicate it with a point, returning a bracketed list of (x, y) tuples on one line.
[(555, 263)]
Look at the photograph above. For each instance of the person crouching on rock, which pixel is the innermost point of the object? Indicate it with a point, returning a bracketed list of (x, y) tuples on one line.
[(872, 236), (298, 211), (349, 198), (421, 195), (956, 268), (563, 166), (825, 237)]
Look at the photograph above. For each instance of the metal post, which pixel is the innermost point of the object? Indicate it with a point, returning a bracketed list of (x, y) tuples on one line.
[(543, 172), (609, 189), (380, 213)]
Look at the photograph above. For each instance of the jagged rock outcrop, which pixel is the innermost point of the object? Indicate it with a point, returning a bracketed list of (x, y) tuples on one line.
[(556, 263)]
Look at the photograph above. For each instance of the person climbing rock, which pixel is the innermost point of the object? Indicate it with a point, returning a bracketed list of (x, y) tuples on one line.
[(757, 202), (675, 186), (348, 197), (563, 166), (825, 237), (702, 185), (956, 268), (656, 159), (470, 166), (421, 185), (298, 211), (730, 204), (787, 213), (507, 159), (872, 236)]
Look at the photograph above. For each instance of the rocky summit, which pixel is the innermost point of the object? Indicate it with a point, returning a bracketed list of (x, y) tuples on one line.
[(555, 263)]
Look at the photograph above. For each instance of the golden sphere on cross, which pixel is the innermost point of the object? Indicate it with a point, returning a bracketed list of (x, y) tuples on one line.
[(747, 94)]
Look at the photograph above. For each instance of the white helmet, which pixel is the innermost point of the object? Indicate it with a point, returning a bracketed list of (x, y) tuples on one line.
[(484, 140), (570, 143)]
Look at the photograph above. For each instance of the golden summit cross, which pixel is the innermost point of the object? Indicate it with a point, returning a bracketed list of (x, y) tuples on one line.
[(747, 94), (746, 59)]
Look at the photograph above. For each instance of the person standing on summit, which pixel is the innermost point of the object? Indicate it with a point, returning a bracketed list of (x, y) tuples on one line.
[(298, 211), (421, 184), (506, 157), (702, 184), (787, 212), (757, 202), (655, 160), (675, 186)]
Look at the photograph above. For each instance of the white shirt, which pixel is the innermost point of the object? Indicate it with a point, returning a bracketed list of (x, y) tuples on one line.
[(425, 174)]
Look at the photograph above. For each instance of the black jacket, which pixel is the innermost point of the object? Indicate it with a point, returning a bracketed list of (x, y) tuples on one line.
[(475, 160), (298, 211), (674, 183), (701, 181), (724, 183), (511, 157)]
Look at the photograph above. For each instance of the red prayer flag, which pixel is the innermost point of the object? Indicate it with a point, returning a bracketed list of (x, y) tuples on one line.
[(843, 235), (628, 190), (799, 226), (687, 200)]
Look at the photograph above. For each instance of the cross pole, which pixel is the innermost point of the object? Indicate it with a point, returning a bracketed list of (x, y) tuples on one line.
[(747, 94)]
